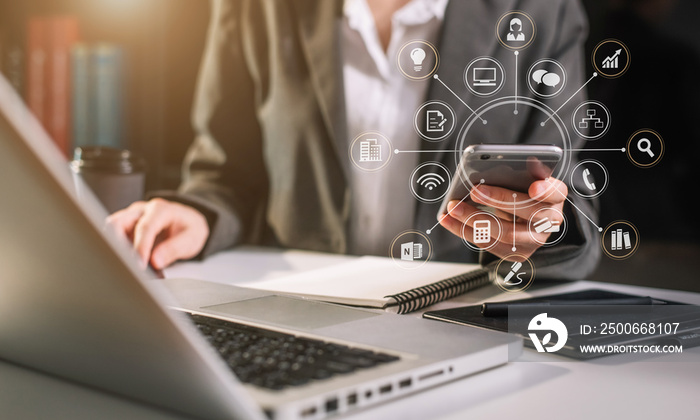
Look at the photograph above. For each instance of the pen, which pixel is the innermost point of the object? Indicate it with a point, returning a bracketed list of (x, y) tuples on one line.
[(496, 309)]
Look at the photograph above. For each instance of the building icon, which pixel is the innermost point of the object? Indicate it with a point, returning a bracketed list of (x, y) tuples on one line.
[(370, 151)]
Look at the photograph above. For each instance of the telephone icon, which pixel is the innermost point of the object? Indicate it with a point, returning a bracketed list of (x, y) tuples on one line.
[(588, 179), (509, 280)]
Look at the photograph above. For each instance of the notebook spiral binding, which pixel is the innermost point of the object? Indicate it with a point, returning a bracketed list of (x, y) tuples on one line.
[(420, 297)]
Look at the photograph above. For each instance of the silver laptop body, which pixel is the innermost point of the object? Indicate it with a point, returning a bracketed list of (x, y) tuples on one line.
[(74, 303)]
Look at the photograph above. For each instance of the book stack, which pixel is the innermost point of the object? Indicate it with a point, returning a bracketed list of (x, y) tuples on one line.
[(74, 89)]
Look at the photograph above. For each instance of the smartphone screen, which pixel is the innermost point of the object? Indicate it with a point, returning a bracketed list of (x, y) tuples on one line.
[(509, 166), (513, 167)]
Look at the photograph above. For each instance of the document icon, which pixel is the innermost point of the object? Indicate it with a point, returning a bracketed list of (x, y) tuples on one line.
[(411, 251), (435, 121)]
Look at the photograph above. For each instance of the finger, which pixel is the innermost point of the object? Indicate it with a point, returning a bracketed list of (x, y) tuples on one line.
[(524, 245), (123, 221), (460, 210), (184, 245), (453, 225), (519, 204), (154, 221), (550, 190), (505, 200)]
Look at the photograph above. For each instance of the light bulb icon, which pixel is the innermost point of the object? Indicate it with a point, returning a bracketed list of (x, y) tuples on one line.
[(417, 55)]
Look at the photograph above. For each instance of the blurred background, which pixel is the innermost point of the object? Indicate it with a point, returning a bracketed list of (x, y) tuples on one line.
[(122, 73)]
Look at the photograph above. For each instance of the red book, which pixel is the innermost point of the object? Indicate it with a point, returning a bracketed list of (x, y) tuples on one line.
[(49, 40), (63, 34)]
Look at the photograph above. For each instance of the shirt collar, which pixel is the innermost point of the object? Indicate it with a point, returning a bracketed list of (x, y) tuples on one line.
[(416, 12)]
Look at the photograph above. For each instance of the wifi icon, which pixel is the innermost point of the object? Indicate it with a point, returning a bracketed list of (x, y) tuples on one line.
[(430, 181)]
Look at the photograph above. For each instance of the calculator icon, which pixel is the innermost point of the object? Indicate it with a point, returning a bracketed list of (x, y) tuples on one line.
[(482, 232)]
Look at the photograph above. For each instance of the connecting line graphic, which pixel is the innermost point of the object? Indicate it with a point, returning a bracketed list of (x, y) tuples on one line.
[(622, 149), (397, 151), (515, 111), (436, 77), (450, 211), (570, 98), (515, 207), (600, 229)]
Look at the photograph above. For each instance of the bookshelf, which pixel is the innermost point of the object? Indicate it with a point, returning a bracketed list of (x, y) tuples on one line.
[(160, 42)]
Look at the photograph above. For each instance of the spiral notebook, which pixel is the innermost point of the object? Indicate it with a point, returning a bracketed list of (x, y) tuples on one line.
[(379, 283)]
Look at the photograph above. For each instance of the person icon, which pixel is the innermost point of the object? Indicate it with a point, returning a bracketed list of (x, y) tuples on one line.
[(516, 34)]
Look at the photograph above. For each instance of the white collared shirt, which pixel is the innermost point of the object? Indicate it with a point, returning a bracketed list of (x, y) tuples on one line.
[(379, 98)]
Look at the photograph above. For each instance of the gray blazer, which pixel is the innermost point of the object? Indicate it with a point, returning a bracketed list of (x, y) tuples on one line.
[(265, 167)]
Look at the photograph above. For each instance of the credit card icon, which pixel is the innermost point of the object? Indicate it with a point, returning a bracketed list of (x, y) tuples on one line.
[(545, 225)]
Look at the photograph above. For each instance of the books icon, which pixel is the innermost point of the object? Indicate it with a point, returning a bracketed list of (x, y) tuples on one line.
[(620, 239)]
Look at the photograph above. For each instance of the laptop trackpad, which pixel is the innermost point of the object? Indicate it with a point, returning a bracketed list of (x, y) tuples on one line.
[(290, 312)]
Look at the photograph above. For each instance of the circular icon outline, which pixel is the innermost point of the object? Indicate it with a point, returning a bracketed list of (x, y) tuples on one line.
[(428, 74), (599, 191), (563, 78), (595, 63), (564, 227), (505, 43), (607, 125), (660, 153), (502, 284), (390, 151), (633, 249), (447, 183), (469, 66), (474, 247), (444, 136), (428, 255)]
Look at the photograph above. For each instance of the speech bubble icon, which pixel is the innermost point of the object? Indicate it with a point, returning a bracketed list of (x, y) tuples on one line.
[(551, 79), (537, 75)]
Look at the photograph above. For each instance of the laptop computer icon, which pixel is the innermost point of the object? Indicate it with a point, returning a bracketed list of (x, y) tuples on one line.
[(74, 303)]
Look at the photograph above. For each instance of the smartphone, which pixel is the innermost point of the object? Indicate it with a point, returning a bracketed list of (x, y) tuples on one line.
[(510, 166)]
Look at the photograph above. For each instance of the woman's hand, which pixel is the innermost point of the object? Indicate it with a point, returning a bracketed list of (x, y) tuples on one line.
[(547, 194), (162, 231)]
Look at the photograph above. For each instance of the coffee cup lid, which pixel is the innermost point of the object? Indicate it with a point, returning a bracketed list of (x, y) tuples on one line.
[(107, 159)]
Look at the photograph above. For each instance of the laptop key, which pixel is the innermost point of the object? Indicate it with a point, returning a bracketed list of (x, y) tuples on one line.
[(275, 360)]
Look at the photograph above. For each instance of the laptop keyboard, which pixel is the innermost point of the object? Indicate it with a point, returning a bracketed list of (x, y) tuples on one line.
[(274, 360)]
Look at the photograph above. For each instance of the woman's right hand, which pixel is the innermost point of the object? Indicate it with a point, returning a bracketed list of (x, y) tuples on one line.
[(162, 231)]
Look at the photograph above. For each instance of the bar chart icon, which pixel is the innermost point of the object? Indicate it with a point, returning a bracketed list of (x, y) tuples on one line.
[(612, 62)]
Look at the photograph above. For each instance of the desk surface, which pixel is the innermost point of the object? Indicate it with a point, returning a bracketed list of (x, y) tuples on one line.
[(535, 386)]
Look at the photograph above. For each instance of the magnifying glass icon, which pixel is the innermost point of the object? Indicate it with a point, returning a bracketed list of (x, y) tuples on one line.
[(644, 146)]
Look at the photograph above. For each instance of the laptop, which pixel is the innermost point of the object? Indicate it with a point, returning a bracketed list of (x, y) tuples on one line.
[(75, 304)]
